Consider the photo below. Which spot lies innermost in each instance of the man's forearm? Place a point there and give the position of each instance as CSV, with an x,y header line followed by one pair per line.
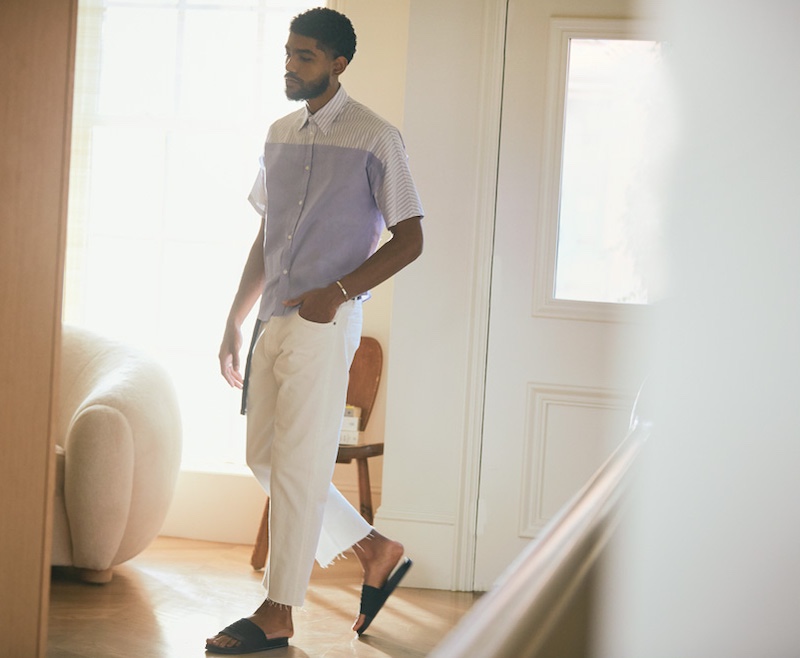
x,y
320,305
403,248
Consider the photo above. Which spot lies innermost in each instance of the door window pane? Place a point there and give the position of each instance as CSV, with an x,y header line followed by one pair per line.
x,y
609,103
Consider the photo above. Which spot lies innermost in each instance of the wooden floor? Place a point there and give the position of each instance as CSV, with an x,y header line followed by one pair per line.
x,y
166,601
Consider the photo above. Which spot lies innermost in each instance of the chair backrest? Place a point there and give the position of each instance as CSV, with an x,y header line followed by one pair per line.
x,y
365,376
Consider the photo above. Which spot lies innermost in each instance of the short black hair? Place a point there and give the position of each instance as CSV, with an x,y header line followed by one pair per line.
x,y
333,31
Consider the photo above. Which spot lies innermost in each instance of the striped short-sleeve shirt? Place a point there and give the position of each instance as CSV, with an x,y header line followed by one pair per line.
x,y
329,183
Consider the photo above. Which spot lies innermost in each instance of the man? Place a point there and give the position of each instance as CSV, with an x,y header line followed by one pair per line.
x,y
333,175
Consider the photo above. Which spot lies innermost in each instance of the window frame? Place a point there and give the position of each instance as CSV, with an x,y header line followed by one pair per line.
x,y
545,303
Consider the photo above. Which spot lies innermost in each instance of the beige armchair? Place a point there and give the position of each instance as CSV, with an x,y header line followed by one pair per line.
x,y
118,453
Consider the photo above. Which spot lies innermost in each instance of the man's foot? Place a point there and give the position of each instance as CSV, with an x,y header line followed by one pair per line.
x,y
378,556
272,618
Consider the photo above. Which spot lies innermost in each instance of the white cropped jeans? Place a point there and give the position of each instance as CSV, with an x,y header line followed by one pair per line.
x,y
297,390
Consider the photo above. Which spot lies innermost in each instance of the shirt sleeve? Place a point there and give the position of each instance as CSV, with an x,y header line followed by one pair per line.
x,y
395,192
258,193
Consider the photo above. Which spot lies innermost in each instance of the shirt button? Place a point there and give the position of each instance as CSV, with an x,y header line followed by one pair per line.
x,y
300,203
286,271
289,237
308,168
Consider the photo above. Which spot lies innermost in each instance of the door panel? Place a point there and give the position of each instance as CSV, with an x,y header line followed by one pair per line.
x,y
557,394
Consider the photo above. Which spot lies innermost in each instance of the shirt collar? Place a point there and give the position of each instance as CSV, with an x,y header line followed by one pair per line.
x,y
327,114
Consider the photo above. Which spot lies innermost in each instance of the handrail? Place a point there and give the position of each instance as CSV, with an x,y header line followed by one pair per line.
x,y
517,616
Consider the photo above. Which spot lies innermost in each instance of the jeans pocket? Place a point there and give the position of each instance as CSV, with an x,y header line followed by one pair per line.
x,y
315,325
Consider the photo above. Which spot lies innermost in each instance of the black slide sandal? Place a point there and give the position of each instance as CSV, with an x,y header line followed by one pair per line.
x,y
251,639
373,598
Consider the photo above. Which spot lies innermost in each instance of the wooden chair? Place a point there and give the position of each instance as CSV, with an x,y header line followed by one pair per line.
x,y
365,376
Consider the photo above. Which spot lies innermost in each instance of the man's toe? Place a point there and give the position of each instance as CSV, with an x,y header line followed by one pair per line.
x,y
359,622
222,641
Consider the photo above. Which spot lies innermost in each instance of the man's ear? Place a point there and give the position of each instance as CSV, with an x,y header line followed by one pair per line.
x,y
339,65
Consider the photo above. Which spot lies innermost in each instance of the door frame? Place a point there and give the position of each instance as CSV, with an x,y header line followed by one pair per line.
x,y
491,78
32,245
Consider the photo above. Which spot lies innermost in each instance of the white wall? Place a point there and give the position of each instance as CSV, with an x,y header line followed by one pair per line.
x,y
440,302
708,564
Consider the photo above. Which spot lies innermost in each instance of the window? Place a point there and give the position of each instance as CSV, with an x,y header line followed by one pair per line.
x,y
173,99
605,147
604,140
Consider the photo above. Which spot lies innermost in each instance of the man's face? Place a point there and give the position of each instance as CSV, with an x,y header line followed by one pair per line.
x,y
308,69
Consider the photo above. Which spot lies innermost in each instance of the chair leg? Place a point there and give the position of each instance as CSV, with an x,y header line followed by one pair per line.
x,y
364,490
259,557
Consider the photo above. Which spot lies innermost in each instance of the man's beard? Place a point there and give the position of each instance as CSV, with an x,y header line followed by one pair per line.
x,y
307,90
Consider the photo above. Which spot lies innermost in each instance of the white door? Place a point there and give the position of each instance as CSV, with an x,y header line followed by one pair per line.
x,y
558,390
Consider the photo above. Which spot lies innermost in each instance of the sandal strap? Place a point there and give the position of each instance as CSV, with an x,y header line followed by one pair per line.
x,y
372,599
245,631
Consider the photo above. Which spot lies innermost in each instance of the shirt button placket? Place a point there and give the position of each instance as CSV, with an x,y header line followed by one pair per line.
x,y
301,202
312,132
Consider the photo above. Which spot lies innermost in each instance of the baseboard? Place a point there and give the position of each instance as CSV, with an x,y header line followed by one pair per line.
x,y
227,507
429,541
209,506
